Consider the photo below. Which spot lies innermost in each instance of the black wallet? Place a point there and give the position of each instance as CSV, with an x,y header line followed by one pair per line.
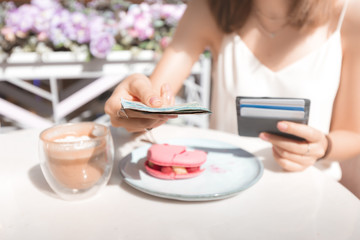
x,y
261,114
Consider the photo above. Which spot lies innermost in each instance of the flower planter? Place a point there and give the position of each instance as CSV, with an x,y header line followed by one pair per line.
x,y
23,57
63,57
69,57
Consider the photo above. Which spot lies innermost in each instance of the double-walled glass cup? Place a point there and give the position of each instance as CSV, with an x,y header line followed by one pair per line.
x,y
76,158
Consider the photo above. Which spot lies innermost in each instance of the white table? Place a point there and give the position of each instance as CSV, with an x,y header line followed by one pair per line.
x,y
282,205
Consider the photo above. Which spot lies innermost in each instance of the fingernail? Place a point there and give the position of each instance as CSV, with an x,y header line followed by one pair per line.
x,y
168,96
282,126
264,136
166,93
155,101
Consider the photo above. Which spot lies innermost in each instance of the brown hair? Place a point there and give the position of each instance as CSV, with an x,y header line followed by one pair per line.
x,y
231,15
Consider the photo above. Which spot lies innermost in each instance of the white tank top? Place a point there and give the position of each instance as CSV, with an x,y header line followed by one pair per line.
x,y
315,76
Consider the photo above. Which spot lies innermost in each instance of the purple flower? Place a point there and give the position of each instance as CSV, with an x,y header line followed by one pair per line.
x,y
126,20
75,24
22,19
42,21
77,29
155,10
58,25
172,13
96,25
143,26
138,22
102,44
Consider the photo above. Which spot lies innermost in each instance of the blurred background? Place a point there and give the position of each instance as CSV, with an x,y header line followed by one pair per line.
x,y
61,59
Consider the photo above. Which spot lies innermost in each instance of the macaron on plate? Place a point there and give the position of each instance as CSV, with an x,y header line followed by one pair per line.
x,y
173,162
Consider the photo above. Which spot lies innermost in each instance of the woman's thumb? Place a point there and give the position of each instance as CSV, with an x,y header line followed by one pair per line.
x,y
142,88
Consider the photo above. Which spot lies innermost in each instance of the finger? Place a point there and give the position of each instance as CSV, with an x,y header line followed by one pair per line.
x,y
158,123
136,124
113,104
287,164
300,130
291,145
167,95
141,87
303,160
141,128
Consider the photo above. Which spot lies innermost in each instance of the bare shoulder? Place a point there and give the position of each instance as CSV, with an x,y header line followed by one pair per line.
x,y
350,30
199,21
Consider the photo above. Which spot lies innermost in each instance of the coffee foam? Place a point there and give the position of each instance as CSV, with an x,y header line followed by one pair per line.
x,y
72,139
81,142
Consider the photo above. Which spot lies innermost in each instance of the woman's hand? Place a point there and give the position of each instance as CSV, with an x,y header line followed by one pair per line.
x,y
138,87
295,155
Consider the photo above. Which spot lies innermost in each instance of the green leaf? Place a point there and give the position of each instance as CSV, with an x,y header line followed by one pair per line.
x,y
158,23
143,44
117,47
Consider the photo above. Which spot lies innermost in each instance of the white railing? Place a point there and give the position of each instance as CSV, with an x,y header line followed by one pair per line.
x,y
100,75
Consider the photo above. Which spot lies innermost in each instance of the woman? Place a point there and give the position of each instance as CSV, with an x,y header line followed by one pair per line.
x,y
278,48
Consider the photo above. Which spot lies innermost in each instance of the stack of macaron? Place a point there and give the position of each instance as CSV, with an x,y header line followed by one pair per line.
x,y
168,161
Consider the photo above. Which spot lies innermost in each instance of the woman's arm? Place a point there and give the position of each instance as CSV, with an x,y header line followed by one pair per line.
x,y
345,126
196,31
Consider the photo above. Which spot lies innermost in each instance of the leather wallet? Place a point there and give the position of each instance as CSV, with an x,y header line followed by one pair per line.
x,y
261,114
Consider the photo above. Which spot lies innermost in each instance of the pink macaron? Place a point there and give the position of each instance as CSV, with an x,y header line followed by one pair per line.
x,y
167,161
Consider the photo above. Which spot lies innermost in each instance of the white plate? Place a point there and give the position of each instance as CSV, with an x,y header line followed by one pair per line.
x,y
228,170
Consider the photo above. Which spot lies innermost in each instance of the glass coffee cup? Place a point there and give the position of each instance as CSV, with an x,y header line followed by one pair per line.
x,y
76,158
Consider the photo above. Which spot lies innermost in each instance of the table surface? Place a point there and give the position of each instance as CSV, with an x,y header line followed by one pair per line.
x,y
281,205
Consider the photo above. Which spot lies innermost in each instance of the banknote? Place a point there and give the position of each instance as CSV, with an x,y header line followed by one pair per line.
x,y
184,108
